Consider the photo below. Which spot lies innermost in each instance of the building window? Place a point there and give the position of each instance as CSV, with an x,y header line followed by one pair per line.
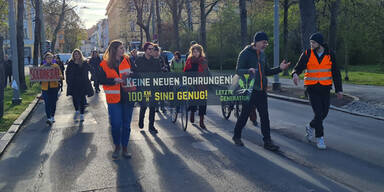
x,y
25,33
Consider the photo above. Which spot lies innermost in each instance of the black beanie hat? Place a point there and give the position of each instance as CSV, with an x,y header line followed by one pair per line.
x,y
259,36
318,37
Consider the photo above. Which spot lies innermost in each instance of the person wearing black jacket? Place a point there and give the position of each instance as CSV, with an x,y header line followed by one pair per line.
x,y
146,64
78,83
8,70
62,68
94,63
253,59
321,68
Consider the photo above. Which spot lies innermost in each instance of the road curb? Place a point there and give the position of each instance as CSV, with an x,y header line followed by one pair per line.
x,y
7,138
303,101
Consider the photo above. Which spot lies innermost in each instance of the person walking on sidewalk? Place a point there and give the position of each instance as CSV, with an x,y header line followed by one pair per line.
x,y
164,68
253,59
146,64
8,70
62,68
94,63
197,62
113,69
78,84
50,90
321,68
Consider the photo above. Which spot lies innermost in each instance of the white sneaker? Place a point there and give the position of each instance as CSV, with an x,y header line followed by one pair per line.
x,y
76,115
320,143
81,117
52,119
309,132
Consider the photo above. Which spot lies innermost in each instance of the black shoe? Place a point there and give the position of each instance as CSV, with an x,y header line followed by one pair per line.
x,y
153,130
255,123
141,124
269,145
237,141
97,90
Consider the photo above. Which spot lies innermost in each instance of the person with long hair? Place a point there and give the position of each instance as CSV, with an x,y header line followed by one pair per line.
x,y
78,82
113,69
50,89
197,62
94,63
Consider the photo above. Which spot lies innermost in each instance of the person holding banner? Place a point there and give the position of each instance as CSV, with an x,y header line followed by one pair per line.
x,y
253,59
78,84
147,64
197,62
50,89
113,69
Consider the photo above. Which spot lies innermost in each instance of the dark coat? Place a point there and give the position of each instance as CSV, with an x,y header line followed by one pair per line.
x,y
8,67
94,63
77,79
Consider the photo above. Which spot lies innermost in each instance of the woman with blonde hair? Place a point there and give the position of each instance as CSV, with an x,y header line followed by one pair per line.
x,y
113,69
50,89
78,83
197,62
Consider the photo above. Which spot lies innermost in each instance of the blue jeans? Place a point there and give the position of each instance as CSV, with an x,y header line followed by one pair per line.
x,y
120,116
50,99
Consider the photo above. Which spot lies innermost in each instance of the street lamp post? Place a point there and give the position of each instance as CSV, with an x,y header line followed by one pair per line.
x,y
276,84
15,67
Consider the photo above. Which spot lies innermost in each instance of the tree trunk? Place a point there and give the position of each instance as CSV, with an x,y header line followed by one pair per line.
x,y
189,15
243,22
158,19
203,23
285,32
308,21
36,43
333,24
20,43
58,26
2,78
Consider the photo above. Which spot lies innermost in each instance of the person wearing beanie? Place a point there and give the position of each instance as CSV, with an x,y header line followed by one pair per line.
x,y
253,60
321,68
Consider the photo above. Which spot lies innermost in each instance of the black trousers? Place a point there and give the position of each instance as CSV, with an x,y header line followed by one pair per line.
x,y
260,101
79,102
96,84
9,78
202,109
319,96
151,119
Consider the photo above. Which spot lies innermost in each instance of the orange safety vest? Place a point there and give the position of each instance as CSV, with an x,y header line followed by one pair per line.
x,y
112,92
318,72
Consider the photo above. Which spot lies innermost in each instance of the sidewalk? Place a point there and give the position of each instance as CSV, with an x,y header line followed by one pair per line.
x,y
371,98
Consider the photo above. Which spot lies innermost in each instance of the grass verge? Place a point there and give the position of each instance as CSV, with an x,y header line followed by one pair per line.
x,y
12,112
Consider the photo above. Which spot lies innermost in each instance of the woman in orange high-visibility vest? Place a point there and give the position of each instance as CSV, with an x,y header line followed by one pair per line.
x,y
114,67
321,68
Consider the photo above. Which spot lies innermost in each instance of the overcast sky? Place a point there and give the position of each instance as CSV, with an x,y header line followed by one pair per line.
x,y
91,11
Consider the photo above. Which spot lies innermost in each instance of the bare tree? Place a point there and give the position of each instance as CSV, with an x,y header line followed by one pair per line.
x,y
204,12
189,14
36,43
158,21
334,8
20,43
140,5
2,78
243,22
308,20
176,6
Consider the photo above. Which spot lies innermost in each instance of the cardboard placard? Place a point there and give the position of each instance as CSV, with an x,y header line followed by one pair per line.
x,y
44,74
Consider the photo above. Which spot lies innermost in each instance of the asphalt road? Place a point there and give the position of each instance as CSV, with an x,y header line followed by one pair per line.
x,y
74,157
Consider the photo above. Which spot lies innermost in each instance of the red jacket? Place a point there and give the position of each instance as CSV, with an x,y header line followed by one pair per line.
x,y
202,64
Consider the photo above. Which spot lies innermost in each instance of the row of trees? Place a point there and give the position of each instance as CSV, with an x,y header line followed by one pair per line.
x,y
58,15
352,28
